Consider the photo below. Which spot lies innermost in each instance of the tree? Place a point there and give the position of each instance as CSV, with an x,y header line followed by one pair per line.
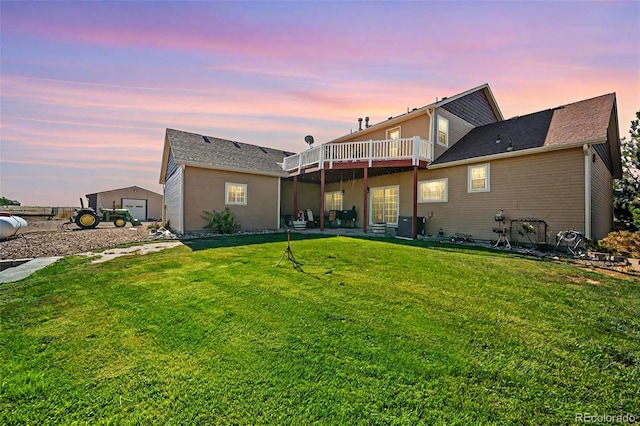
x,y
626,201
4,201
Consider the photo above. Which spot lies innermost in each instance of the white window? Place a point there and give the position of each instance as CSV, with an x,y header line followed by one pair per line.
x,y
393,135
332,201
235,193
433,191
479,178
443,131
385,202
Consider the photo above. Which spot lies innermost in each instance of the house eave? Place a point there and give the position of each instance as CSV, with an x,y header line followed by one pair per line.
x,y
232,169
519,153
393,121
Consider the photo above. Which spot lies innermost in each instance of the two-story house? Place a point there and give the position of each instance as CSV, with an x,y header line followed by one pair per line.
x,y
456,162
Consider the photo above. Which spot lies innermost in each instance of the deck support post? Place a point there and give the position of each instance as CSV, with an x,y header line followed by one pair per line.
x,y
365,202
322,199
415,202
295,198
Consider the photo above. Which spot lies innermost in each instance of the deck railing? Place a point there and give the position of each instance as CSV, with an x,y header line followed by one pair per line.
x,y
415,149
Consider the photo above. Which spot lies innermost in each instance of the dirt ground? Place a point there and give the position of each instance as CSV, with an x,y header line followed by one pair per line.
x,y
44,237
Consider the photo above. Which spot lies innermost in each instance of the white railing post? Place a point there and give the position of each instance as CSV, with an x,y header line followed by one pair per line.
x,y
416,150
299,162
370,152
331,156
321,159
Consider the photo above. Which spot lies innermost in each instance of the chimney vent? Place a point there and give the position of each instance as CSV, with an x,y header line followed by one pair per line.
x,y
359,123
366,122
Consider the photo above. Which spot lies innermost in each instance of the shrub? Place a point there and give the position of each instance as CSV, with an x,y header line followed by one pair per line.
x,y
622,243
221,222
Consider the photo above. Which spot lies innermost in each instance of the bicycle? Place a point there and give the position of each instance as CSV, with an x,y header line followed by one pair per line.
x,y
574,241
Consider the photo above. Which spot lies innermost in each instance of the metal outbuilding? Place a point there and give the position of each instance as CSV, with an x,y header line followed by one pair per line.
x,y
142,203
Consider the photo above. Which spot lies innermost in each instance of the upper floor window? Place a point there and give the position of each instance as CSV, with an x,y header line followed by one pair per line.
x,y
443,131
433,191
479,178
333,200
235,193
393,134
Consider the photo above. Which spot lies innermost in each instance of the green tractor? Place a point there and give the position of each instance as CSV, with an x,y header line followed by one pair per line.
x,y
88,218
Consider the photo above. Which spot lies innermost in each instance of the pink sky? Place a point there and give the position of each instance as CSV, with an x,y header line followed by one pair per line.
x,y
88,88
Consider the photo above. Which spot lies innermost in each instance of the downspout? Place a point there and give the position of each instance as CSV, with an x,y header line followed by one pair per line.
x,y
181,224
430,114
587,190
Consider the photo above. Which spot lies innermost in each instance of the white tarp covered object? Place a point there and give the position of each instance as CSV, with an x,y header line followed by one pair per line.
x,y
10,224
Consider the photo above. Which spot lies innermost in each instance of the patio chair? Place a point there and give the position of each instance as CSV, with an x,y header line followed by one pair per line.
x,y
332,219
310,220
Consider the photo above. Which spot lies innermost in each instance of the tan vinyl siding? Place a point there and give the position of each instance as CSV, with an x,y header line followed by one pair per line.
x,y
173,201
549,186
204,190
418,126
353,193
457,129
308,197
601,199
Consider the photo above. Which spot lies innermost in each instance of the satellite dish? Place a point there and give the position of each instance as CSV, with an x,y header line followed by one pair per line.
x,y
309,140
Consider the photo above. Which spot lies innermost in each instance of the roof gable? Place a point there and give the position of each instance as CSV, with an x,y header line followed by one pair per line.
x,y
134,188
474,108
477,93
211,152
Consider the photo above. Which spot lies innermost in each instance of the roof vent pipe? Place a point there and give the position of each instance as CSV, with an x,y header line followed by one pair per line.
x,y
359,123
366,122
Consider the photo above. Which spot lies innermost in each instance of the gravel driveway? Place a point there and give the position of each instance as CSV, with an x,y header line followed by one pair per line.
x,y
45,238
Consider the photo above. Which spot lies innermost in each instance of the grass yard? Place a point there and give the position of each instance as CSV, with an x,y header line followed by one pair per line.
x,y
373,332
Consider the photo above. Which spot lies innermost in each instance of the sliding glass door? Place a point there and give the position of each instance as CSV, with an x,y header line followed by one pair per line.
x,y
385,203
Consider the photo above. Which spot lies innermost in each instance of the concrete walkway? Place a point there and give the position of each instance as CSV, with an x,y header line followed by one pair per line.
x,y
23,271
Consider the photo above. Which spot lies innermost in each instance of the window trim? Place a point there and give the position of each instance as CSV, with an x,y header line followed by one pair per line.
x,y
226,194
394,146
446,120
326,209
397,187
487,188
446,191
398,128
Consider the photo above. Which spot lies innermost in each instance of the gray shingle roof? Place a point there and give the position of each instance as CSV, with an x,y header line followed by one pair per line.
x,y
212,152
573,123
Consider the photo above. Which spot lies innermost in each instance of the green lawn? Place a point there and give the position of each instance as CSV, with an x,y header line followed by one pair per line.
x,y
373,332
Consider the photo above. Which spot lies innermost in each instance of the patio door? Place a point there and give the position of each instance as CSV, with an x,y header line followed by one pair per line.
x,y
385,202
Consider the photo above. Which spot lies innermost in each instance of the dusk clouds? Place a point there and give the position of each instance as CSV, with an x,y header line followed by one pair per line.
x,y
88,88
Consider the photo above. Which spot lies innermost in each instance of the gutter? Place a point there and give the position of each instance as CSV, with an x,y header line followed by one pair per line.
x,y
233,169
518,153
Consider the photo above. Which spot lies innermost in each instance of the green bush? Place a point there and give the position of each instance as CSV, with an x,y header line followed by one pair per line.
x,y
221,222
635,212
